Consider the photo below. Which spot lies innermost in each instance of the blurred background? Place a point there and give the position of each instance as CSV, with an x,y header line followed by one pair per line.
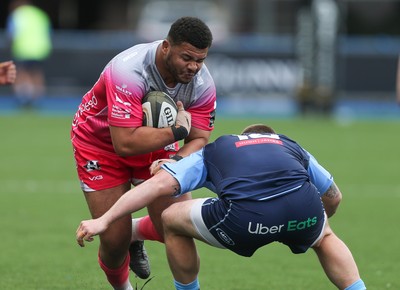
x,y
269,57
273,62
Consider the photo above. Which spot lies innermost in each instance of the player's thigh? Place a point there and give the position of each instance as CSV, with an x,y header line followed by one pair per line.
x,y
326,231
119,233
101,200
177,219
161,203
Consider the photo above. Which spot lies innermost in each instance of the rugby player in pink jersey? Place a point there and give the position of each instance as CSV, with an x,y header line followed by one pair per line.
x,y
113,150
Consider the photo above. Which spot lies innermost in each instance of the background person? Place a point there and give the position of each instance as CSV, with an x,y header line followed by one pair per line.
x,y
268,190
113,150
398,82
29,30
8,72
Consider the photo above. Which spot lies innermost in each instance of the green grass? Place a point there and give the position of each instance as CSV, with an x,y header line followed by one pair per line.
x,y
41,206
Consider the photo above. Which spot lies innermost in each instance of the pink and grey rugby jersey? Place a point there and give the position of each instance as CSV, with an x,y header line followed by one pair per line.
x,y
116,97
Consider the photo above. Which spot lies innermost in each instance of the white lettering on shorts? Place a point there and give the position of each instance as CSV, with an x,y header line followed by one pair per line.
x,y
97,177
260,229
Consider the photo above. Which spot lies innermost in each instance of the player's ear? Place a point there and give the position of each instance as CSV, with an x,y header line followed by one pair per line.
x,y
165,46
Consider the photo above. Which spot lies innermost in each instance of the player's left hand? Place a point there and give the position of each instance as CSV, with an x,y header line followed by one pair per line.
x,y
88,229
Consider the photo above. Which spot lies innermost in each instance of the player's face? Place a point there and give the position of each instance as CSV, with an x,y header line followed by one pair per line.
x,y
184,61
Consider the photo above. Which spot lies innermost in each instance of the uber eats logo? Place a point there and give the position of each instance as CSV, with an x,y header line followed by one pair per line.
x,y
293,225
301,225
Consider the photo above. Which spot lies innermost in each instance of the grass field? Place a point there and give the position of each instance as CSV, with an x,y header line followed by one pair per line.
x,y
41,206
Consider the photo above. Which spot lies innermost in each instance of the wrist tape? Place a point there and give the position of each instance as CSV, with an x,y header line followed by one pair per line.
x,y
176,157
179,133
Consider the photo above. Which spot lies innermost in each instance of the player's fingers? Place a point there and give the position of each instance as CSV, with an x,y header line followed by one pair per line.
x,y
156,165
180,106
153,166
79,237
5,63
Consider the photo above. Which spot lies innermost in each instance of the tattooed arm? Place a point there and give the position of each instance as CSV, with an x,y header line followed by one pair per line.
x,y
331,199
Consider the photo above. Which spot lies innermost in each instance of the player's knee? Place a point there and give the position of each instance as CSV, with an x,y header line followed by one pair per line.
x,y
117,239
113,247
166,216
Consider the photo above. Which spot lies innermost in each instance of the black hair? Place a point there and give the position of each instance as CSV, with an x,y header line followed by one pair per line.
x,y
191,30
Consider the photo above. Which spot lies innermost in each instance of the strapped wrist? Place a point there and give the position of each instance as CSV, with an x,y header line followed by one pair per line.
x,y
179,133
176,157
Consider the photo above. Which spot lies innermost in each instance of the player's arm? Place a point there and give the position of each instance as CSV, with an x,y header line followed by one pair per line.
x,y
323,181
203,117
331,199
141,140
196,140
135,199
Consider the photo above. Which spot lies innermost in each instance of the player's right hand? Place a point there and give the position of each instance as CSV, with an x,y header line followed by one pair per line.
x,y
88,229
183,117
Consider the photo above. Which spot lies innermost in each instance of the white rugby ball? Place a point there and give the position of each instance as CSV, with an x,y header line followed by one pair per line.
x,y
159,110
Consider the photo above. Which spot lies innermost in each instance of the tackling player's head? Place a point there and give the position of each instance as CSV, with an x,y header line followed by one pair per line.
x,y
191,30
258,128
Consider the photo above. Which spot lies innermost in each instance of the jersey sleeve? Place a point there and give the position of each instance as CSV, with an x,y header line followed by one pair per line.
x,y
124,97
190,172
203,110
319,176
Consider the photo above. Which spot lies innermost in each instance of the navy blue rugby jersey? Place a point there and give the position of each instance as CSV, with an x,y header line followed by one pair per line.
x,y
255,166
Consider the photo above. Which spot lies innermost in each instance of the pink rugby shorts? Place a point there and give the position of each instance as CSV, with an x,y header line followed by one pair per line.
x,y
102,170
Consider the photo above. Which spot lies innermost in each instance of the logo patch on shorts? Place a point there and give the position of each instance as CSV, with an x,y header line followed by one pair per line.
x,y
92,165
224,237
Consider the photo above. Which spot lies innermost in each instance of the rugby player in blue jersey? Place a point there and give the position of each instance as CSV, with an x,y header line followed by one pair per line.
x,y
269,190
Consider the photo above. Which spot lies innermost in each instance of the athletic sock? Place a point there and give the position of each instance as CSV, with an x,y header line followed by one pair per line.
x,y
145,228
191,286
136,236
118,278
358,285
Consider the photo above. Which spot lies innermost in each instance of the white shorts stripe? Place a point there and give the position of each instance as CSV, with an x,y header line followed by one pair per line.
x,y
197,221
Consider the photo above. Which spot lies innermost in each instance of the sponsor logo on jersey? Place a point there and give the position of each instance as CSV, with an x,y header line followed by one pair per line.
x,y
118,99
258,141
83,108
171,147
119,113
212,119
123,90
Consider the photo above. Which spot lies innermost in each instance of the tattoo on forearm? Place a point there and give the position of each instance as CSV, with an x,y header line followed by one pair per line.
x,y
332,192
176,188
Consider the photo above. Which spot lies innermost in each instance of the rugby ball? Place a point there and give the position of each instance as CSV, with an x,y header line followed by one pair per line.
x,y
159,110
